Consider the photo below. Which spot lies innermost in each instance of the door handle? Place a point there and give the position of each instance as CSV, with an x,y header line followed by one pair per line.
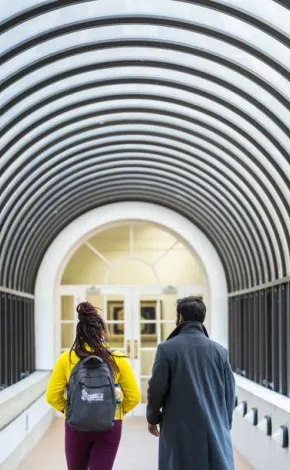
x,y
129,349
136,350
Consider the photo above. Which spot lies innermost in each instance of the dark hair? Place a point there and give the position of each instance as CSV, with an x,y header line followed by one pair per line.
x,y
191,309
88,340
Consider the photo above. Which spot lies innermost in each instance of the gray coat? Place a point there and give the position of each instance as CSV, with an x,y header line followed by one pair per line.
x,y
193,384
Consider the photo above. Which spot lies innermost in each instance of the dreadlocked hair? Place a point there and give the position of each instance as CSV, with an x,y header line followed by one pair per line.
x,y
88,340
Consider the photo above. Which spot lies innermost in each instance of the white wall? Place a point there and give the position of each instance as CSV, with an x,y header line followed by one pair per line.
x,y
15,399
25,416
261,451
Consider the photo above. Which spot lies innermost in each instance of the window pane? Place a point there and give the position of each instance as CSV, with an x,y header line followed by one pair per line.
x,y
116,336
147,360
116,313
168,307
148,310
97,301
116,322
148,335
166,330
67,307
67,335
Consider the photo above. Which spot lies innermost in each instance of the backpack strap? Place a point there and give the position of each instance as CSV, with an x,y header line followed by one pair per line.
x,y
115,350
89,358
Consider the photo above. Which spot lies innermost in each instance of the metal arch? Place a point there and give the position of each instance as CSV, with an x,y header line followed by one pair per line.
x,y
155,113
284,3
37,139
95,179
276,143
168,66
23,235
205,111
78,119
59,194
196,218
164,47
138,198
157,192
50,157
174,184
23,201
152,111
244,15
160,64
233,271
187,214
18,240
30,143
88,139
80,153
33,12
171,100
188,196
45,7
136,42
144,20
225,150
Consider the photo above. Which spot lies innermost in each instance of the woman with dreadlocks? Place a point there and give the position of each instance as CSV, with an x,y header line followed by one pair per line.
x,y
93,450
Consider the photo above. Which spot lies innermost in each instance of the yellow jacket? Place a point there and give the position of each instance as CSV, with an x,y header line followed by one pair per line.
x,y
56,391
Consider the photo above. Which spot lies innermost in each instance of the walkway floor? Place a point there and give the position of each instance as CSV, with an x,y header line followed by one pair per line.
x,y
138,449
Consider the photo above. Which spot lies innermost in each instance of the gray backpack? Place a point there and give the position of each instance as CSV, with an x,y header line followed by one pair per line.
x,y
91,399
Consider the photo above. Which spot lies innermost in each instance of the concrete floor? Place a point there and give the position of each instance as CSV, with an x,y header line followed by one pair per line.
x,y
138,449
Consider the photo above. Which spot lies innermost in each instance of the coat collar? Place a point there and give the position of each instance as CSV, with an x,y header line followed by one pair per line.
x,y
189,327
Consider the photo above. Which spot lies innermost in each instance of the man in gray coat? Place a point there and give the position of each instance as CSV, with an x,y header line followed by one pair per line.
x,y
191,396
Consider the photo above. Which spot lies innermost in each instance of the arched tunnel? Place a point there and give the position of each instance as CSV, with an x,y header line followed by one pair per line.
x,y
180,104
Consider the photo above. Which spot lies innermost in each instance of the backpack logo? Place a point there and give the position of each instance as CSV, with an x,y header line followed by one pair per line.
x,y
91,397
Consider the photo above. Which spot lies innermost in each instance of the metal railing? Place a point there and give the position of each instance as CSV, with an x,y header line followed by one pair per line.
x,y
259,336
17,338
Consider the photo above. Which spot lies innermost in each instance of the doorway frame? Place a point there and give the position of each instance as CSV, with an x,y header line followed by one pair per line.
x,y
95,221
132,296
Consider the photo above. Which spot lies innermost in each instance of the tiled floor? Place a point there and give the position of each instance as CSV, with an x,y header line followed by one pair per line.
x,y
138,450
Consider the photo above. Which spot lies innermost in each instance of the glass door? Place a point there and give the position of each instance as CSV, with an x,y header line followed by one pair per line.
x,y
153,322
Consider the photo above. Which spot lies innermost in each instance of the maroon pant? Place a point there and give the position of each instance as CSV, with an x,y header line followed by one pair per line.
x,y
91,450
